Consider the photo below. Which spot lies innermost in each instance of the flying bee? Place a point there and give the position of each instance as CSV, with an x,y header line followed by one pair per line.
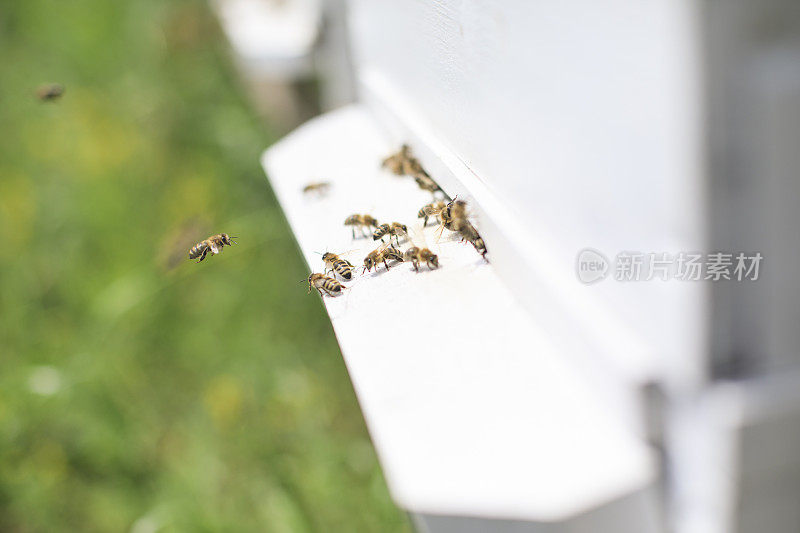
x,y
322,282
49,91
336,264
360,221
320,188
395,229
431,210
213,244
421,255
382,255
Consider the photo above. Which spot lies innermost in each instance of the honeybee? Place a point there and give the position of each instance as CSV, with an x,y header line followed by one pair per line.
x,y
431,210
421,255
382,254
341,266
318,187
322,282
395,229
426,183
213,244
402,163
361,221
395,161
470,234
454,218
49,91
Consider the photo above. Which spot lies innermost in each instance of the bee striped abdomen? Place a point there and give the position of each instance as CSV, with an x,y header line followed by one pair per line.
x,y
382,230
343,268
331,286
197,250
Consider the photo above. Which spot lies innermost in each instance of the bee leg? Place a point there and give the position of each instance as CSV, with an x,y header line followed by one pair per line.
x,y
386,264
354,232
203,256
416,265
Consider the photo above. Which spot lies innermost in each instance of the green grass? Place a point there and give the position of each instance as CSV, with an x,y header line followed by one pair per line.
x,y
140,391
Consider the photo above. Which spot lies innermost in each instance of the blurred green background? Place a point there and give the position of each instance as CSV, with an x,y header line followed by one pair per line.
x,y
140,391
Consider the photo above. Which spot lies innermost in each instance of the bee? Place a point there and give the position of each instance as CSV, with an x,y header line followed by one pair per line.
x,y
431,210
382,254
213,244
454,218
395,229
318,187
421,255
401,163
49,91
322,282
362,221
425,182
470,234
341,266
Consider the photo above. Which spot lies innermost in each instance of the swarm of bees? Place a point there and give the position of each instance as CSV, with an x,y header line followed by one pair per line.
x,y
451,215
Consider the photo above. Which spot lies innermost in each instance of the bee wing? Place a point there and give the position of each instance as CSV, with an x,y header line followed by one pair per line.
x,y
416,237
383,247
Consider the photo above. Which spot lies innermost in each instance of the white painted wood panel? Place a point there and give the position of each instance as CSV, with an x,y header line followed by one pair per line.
x,y
581,120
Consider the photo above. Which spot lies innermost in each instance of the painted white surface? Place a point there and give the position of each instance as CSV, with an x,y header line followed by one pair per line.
x,y
272,37
580,121
472,409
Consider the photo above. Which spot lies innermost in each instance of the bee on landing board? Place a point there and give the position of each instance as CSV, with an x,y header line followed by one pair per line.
x,y
470,234
213,244
320,188
454,217
401,163
322,282
419,255
49,91
431,210
425,182
382,255
395,229
360,221
334,263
